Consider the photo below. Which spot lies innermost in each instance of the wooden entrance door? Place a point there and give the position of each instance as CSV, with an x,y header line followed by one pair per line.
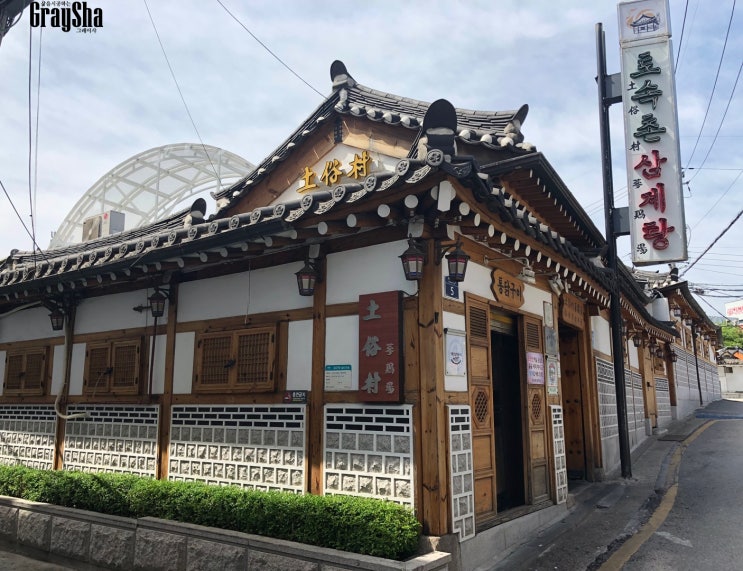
x,y
572,403
481,401
536,413
648,389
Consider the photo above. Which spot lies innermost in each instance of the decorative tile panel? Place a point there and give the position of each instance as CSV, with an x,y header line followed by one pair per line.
x,y
607,399
638,397
561,470
461,477
111,438
260,447
27,435
369,451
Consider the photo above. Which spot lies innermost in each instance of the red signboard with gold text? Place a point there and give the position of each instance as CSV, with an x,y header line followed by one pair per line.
x,y
380,344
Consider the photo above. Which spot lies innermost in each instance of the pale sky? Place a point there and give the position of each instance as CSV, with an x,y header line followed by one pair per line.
x,y
107,96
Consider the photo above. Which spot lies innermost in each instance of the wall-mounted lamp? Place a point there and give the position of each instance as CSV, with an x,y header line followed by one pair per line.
x,y
307,277
556,285
653,344
414,258
527,275
673,356
660,353
456,259
688,321
637,340
676,310
157,303
57,319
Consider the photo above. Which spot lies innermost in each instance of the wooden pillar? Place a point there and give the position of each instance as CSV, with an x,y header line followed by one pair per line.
x,y
163,433
433,441
316,399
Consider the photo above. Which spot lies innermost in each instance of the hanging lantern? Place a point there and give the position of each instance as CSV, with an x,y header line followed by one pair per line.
x,y
57,319
413,260
157,303
306,279
457,260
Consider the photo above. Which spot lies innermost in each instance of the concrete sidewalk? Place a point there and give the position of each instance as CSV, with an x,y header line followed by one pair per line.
x,y
605,514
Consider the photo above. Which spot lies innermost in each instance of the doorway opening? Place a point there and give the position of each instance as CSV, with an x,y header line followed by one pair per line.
x,y
573,403
507,413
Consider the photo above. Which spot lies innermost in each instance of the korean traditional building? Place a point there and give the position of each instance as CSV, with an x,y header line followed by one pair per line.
x,y
402,301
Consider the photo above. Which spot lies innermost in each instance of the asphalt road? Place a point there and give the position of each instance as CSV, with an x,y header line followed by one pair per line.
x,y
703,529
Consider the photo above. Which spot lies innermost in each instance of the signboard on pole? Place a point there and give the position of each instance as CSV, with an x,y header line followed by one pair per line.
x,y
656,205
734,309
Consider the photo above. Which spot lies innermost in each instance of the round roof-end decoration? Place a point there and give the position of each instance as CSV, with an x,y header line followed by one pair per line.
x,y
440,127
339,75
435,157
198,209
370,182
306,201
234,222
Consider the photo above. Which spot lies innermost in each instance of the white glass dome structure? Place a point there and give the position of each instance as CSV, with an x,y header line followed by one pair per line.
x,y
153,184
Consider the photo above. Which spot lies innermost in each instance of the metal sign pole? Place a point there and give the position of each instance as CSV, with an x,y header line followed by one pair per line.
x,y
605,100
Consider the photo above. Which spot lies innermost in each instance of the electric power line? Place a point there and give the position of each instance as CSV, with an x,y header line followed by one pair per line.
x,y
681,39
183,99
713,243
21,219
265,47
714,85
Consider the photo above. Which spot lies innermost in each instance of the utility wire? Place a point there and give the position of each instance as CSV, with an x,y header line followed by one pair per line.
x,y
183,99
265,47
36,136
681,39
732,184
714,86
713,243
708,303
30,137
22,222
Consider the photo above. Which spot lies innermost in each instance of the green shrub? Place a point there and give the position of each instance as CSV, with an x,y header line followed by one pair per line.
x,y
359,525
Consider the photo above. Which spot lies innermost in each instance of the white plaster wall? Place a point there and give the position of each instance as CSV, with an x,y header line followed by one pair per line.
x,y
299,366
534,299
601,334
114,312
57,368
453,382
366,270
183,366
342,344
77,369
246,293
158,370
26,325
634,359
733,381
477,281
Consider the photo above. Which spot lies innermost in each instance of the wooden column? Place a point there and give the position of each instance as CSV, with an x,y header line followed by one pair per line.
x,y
316,398
433,441
163,434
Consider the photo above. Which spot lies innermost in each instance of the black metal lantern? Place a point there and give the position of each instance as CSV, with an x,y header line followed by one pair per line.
x,y
457,260
676,311
307,277
673,356
157,303
413,260
660,353
57,319
637,340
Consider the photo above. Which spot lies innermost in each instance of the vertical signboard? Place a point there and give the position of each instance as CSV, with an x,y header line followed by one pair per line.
x,y
656,207
380,347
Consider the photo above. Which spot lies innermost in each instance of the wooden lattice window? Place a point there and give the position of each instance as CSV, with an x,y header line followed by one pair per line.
x,y
242,360
26,372
113,367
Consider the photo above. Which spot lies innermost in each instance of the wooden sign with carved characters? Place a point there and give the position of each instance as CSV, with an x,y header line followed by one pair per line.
x,y
507,289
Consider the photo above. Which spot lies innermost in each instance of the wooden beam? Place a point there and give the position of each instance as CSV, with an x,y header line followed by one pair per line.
x,y
163,434
316,399
432,441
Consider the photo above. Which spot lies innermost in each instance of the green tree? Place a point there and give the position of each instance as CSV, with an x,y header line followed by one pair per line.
x,y
732,335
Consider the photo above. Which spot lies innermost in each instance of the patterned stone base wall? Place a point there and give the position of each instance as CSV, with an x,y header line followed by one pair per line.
x,y
121,439
258,447
369,451
663,402
461,473
558,437
607,399
27,435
